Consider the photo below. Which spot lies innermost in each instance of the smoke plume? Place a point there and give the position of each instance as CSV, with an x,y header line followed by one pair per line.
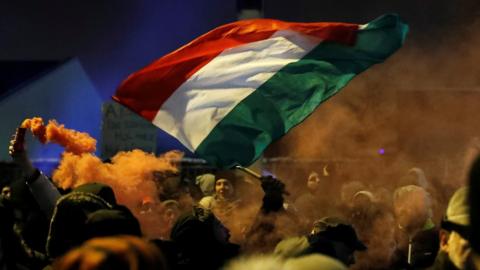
x,y
73,141
131,176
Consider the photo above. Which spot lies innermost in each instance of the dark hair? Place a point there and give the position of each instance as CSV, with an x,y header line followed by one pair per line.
x,y
226,174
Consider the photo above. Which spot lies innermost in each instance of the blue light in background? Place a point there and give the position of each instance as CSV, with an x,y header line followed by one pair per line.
x,y
65,94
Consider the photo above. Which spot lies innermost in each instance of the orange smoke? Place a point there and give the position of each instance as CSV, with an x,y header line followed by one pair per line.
x,y
130,174
73,141
36,127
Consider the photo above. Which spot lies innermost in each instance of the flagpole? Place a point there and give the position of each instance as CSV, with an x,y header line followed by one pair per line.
x,y
248,171
255,174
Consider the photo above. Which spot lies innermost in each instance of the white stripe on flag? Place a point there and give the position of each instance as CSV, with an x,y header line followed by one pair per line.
x,y
196,107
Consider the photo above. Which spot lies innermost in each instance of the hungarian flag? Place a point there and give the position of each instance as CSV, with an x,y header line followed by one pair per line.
x,y
231,92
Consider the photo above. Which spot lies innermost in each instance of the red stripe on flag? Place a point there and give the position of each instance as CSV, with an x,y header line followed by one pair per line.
x,y
146,90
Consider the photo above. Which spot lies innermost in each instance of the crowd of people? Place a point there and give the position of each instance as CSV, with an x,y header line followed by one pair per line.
x,y
232,223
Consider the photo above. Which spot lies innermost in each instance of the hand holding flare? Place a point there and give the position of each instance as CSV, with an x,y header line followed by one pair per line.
x,y
16,149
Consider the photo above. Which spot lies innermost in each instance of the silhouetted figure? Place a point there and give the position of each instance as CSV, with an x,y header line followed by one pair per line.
x,y
88,211
202,241
417,235
312,204
330,236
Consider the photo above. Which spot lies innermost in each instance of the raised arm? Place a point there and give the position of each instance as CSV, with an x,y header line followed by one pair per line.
x,y
43,190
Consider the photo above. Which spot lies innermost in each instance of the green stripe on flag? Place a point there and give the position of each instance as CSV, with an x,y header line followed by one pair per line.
x,y
295,91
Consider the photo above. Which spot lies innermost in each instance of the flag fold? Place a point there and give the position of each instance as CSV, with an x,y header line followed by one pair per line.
x,y
231,92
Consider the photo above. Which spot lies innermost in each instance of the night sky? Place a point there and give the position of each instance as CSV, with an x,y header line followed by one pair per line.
x,y
115,38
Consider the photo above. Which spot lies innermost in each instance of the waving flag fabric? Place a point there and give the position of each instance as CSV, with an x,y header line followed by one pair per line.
x,y
231,92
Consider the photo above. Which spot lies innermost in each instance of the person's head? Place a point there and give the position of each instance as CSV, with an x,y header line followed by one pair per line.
x,y
415,176
88,211
334,237
412,207
455,229
225,184
6,192
102,190
203,239
109,253
223,188
169,184
313,181
171,211
363,206
199,227
363,199
348,190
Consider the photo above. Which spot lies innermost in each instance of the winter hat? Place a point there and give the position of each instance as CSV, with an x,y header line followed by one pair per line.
x,y
82,214
458,209
206,182
457,215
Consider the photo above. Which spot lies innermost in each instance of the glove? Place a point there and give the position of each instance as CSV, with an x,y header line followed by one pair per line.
x,y
17,151
273,198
